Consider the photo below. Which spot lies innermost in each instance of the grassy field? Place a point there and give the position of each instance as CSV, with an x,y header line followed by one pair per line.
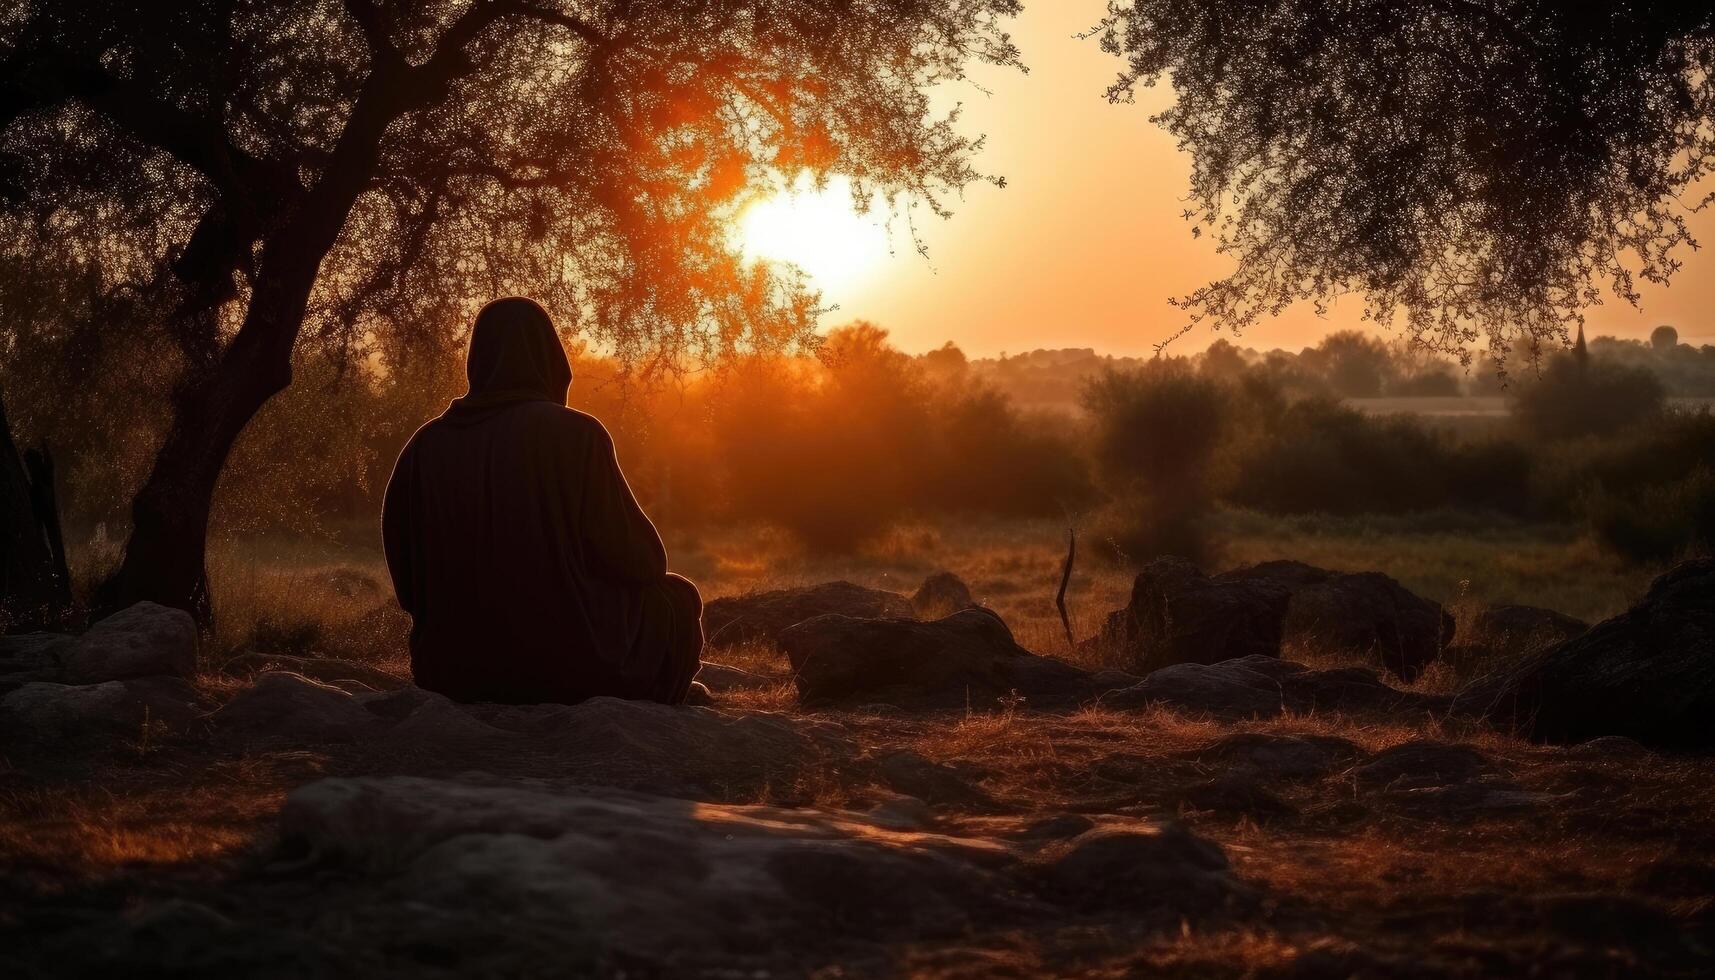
x,y
293,594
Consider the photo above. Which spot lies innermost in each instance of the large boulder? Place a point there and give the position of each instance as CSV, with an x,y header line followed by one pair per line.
x,y
143,640
760,617
598,875
1178,615
26,657
1647,674
43,711
966,659
490,878
689,752
1509,632
1366,615
941,594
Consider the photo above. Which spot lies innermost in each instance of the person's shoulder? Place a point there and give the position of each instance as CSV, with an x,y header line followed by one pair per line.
x,y
568,421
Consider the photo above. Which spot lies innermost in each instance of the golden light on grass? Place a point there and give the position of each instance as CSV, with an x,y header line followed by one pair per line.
x,y
816,229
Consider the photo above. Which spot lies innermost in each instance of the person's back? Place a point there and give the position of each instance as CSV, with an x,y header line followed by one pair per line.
x,y
529,570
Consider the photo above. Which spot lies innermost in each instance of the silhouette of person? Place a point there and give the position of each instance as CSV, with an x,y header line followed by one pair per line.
x,y
529,570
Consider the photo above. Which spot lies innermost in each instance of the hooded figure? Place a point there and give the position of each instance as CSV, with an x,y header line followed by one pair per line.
x,y
530,572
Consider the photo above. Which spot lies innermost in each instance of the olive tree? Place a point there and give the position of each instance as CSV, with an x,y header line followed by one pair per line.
x,y
250,176
1484,168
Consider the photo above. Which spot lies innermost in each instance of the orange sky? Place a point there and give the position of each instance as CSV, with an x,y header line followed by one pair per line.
x,y
1085,245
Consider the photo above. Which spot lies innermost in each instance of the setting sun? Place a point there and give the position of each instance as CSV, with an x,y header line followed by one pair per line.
x,y
817,230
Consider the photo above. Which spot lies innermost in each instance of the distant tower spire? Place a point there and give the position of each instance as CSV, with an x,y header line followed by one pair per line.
x,y
1580,353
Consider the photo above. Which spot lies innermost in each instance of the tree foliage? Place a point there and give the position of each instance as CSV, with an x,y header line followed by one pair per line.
x,y
1487,168
247,175
589,152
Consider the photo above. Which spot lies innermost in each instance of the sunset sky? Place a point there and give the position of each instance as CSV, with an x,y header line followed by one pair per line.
x,y
1086,244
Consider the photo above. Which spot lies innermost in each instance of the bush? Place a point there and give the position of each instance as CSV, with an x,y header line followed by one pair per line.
x,y
1157,430
1660,523
1576,396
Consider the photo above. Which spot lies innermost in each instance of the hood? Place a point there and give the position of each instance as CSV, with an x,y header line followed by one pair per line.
x,y
515,356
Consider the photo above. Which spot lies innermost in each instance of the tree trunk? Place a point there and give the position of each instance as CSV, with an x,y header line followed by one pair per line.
x,y
35,590
165,557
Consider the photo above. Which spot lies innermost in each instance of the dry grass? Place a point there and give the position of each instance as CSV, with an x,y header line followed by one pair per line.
x,y
1346,867
160,813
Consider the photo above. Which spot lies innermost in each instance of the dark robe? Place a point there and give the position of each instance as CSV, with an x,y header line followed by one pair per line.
x,y
529,570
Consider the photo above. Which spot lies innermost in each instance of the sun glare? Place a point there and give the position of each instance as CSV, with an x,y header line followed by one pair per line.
x,y
816,230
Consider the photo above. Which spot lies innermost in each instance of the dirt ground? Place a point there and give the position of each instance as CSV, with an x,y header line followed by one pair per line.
x,y
1344,845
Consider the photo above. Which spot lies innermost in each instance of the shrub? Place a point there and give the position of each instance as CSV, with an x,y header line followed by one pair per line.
x,y
1156,433
1576,396
1658,523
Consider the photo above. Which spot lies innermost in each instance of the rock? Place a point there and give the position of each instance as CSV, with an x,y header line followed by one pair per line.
x,y
329,670
902,813
720,678
966,659
932,782
1178,615
1511,632
1414,765
293,708
1061,826
1231,689
1364,614
44,711
178,938
1354,690
694,753
597,875
699,695
1286,757
139,641
26,657
760,617
1166,869
1234,795
1262,687
941,594
1647,674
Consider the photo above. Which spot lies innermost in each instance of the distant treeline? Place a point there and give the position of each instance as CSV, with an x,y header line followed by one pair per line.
x,y
840,447
1346,364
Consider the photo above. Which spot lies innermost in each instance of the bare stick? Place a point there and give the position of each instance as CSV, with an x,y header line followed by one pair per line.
x,y
1065,578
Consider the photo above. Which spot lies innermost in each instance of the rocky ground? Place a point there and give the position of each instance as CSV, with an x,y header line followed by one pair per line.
x,y
893,788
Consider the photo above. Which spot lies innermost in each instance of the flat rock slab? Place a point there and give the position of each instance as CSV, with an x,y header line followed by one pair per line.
x,y
1263,687
968,659
597,877
679,751
760,617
